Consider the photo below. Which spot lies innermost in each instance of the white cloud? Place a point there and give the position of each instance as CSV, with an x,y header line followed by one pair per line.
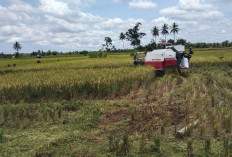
x,y
192,10
139,4
61,27
198,20
117,1
19,6
221,1
142,4
54,7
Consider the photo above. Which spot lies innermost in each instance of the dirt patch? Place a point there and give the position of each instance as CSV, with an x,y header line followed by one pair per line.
x,y
146,119
114,117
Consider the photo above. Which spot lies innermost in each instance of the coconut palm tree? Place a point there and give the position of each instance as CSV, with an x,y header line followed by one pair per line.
x,y
17,46
122,37
134,36
108,41
164,31
175,30
155,32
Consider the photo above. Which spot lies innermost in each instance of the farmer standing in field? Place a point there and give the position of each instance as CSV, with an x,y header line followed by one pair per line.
x,y
190,53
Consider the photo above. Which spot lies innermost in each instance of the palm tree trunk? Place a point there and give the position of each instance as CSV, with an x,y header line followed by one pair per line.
x,y
123,44
174,38
165,40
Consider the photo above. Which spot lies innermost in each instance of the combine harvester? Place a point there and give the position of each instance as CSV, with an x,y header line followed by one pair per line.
x,y
172,56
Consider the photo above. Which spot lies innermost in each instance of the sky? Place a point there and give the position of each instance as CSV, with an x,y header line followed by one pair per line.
x,y
75,25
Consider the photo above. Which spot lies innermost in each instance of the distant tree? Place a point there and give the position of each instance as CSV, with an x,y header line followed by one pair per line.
x,y
175,30
108,41
48,53
155,32
33,54
114,49
230,45
162,41
165,31
188,45
133,35
122,37
225,43
181,42
2,55
151,46
54,53
84,52
43,53
17,46
171,41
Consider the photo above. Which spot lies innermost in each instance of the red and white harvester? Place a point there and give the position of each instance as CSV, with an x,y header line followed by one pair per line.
x,y
162,58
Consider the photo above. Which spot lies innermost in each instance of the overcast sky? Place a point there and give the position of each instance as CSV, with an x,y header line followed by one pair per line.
x,y
68,25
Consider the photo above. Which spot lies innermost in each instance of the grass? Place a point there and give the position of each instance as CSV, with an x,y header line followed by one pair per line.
x,y
140,118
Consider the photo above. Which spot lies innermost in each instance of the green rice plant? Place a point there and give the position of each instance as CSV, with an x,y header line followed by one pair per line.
x,y
14,113
170,99
207,145
113,143
95,118
190,148
46,114
187,111
142,143
2,137
175,129
6,113
226,147
149,112
132,113
228,123
216,129
213,101
201,129
59,111
21,112
156,147
150,129
52,114
71,105
126,145
163,126
189,130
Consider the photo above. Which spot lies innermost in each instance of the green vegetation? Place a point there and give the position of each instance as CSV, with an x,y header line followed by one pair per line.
x,y
81,106
133,35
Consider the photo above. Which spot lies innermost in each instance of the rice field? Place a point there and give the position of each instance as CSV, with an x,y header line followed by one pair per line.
x,y
69,78
66,84
80,106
